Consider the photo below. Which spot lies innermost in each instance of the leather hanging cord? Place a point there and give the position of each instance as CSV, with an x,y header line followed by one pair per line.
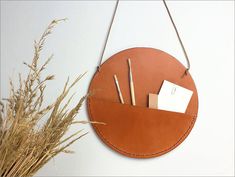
x,y
177,33
172,21
107,36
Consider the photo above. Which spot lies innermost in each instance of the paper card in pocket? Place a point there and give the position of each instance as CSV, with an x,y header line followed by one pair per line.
x,y
173,97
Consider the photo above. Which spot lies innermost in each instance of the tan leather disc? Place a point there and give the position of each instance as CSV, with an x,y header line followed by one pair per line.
x,y
137,131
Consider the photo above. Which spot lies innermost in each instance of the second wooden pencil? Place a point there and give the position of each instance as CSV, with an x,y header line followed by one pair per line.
x,y
131,84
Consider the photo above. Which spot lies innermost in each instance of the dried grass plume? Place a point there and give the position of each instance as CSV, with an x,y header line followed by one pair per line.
x,y
24,147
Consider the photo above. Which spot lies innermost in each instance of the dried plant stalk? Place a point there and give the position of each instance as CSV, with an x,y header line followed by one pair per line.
x,y
24,147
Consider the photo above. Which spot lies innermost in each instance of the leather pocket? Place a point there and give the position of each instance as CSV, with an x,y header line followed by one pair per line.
x,y
139,131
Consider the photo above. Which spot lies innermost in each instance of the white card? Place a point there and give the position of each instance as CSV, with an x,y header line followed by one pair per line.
x,y
173,97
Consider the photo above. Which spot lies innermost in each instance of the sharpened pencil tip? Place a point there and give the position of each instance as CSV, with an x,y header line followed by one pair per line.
x,y
129,61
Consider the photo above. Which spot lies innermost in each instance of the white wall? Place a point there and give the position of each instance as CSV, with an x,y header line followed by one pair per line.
x,y
207,31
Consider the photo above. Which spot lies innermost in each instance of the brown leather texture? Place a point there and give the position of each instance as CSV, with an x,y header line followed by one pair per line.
x,y
138,131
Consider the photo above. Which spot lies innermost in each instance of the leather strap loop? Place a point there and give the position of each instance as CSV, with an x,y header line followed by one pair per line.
x,y
177,33
107,36
173,23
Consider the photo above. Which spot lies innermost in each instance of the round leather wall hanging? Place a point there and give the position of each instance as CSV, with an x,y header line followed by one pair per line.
x,y
138,131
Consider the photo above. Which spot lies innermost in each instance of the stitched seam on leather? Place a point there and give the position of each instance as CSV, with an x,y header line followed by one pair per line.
x,y
142,155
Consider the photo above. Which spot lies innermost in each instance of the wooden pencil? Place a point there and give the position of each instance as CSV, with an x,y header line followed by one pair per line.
x,y
131,84
118,89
